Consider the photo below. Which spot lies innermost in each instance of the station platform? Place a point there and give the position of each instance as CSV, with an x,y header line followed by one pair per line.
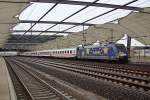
x,y
140,60
6,86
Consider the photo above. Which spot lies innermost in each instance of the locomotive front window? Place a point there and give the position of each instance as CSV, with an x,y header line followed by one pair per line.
x,y
121,48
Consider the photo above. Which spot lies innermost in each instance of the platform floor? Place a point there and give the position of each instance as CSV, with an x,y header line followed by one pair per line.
x,y
140,60
6,87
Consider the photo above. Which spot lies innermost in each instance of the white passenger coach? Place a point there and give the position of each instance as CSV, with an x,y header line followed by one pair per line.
x,y
59,53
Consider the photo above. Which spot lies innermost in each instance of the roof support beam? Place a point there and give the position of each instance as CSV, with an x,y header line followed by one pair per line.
x,y
55,22
41,31
49,22
91,3
58,1
71,15
102,14
87,3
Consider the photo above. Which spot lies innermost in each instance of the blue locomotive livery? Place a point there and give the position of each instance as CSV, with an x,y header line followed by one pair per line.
x,y
105,52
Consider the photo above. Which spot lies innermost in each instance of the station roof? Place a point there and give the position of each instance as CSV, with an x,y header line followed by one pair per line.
x,y
136,25
58,17
9,9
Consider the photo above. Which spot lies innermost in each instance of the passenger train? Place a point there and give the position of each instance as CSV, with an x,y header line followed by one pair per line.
x,y
111,52
8,53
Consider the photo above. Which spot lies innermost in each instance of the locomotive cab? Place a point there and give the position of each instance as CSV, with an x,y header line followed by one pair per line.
x,y
122,52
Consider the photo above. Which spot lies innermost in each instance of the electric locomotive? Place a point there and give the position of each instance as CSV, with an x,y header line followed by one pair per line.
x,y
111,51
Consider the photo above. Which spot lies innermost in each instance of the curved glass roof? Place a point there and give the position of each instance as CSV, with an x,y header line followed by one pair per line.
x,y
74,15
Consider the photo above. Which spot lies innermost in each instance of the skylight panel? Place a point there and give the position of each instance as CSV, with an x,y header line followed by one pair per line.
x,y
28,33
141,3
62,34
88,13
35,11
77,29
26,26
111,16
22,26
117,2
42,26
48,33
60,27
61,11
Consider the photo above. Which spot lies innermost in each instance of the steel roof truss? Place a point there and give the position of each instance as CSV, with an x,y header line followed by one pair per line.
x,y
87,3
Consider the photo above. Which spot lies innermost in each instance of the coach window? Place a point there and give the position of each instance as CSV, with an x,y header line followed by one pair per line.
x,y
68,51
71,51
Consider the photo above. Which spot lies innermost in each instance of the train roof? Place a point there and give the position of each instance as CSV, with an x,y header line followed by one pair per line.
x,y
56,49
98,45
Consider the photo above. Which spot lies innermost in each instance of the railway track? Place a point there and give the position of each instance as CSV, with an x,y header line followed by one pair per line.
x,y
128,69
131,69
34,88
112,68
21,92
134,79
